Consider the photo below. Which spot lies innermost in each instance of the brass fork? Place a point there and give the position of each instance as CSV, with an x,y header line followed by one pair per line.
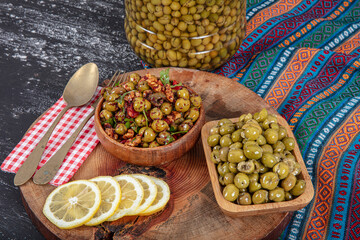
x,y
51,167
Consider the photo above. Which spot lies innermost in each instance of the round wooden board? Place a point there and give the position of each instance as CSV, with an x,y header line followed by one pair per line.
x,y
192,212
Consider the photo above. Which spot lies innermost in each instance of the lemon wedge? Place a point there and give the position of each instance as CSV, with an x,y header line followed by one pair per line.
x,y
72,204
162,197
110,199
150,192
132,194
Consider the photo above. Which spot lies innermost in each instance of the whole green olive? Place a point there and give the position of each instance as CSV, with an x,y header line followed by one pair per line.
x,y
271,136
223,153
259,167
267,148
147,105
105,114
289,182
254,177
193,114
140,120
236,135
142,86
269,160
111,106
241,180
235,155
288,196
227,129
269,180
156,114
277,195
186,125
289,143
119,116
183,93
279,147
214,130
149,135
231,192
112,97
119,90
229,178
261,141
244,199
282,133
224,121
253,152
164,138
120,129
153,144
166,108
299,188
260,196
225,141
182,105
254,186
282,170
196,101
134,77
252,133
129,86
139,104
236,145
159,125
232,167
213,140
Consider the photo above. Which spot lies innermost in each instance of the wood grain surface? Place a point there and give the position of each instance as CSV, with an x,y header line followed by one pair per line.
x,y
192,212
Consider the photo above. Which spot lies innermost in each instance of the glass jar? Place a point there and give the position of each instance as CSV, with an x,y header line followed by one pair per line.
x,y
201,34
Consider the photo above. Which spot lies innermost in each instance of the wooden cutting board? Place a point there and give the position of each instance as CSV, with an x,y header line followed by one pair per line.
x,y
192,212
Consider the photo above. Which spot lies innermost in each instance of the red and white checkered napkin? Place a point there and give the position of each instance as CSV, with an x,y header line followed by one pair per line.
x,y
82,147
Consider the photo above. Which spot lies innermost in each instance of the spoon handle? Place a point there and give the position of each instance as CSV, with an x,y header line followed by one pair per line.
x,y
51,167
28,168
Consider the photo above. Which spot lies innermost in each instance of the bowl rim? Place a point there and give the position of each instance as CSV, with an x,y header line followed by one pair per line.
x,y
159,148
236,210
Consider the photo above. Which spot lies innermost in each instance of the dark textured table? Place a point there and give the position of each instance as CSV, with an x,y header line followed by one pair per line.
x,y
42,43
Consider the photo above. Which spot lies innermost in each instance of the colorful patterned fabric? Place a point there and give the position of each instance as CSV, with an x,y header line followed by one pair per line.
x,y
302,57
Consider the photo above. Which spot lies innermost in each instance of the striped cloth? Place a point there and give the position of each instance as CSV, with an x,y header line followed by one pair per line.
x,y
302,57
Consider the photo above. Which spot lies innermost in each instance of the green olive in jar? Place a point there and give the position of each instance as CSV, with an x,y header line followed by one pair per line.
x,y
231,192
182,105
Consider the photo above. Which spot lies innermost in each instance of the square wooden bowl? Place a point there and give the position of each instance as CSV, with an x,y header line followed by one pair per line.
x,y
235,210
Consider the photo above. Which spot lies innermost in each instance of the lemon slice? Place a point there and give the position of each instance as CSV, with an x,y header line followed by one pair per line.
x,y
150,192
132,194
162,197
72,204
110,199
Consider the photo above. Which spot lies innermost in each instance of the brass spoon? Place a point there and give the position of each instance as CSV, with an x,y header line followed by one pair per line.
x,y
78,91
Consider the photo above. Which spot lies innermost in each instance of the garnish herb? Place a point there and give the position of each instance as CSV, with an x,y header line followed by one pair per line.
x,y
165,77
173,133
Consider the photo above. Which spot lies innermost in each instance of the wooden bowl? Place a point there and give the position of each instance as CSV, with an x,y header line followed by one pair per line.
x,y
235,210
150,156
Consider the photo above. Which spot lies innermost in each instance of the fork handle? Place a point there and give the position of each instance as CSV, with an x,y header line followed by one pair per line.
x,y
28,168
51,167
